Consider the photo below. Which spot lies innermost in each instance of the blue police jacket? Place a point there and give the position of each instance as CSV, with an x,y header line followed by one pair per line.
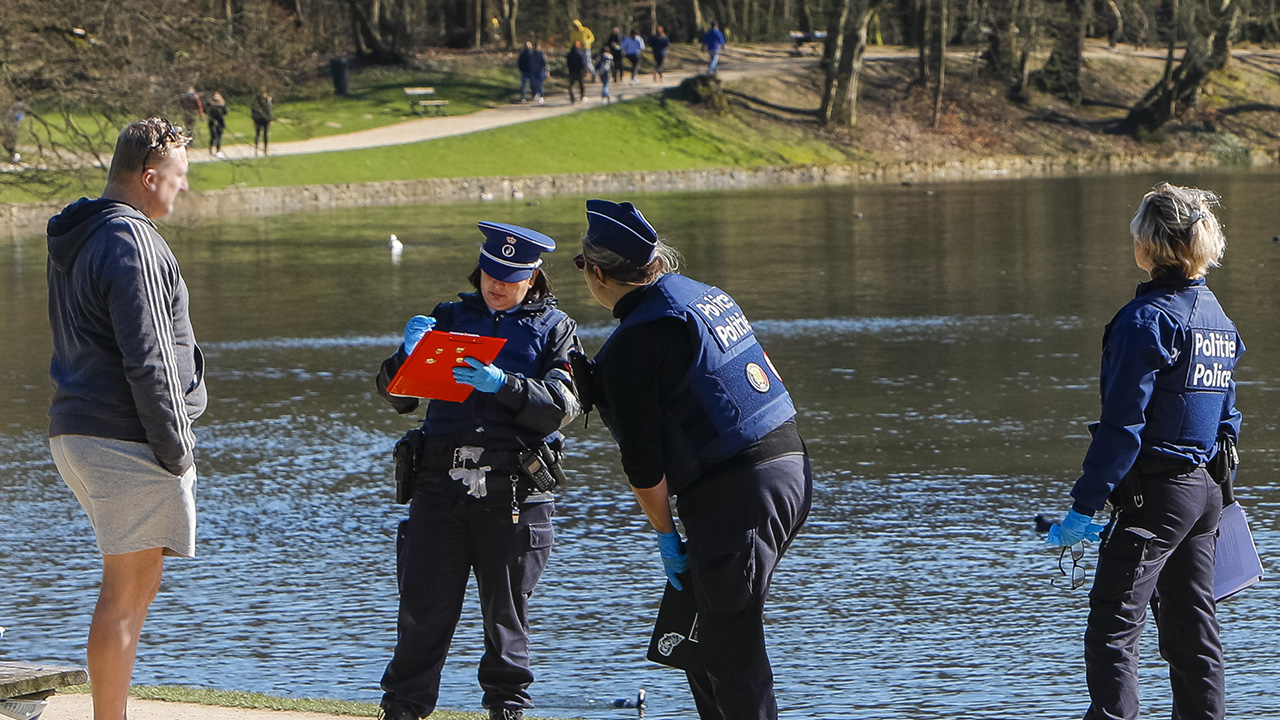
x,y
1167,384
537,398
730,397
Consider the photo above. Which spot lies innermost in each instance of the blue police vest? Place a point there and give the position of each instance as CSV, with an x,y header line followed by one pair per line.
x,y
527,331
1186,406
731,396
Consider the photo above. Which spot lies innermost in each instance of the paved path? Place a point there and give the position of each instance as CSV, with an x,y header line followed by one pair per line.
x,y
557,103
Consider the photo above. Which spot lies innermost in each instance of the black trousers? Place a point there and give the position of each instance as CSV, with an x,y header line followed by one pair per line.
x,y
1165,546
739,525
448,536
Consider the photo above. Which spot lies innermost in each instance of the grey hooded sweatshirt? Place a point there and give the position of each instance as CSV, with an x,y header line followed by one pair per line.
x,y
125,360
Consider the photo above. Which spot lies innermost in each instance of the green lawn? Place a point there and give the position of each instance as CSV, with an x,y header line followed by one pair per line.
x,y
645,134
376,98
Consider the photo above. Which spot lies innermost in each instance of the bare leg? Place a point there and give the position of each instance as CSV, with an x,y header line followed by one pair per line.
x,y
129,584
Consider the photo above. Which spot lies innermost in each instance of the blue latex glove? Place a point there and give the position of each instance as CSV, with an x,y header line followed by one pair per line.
x,y
673,557
1073,528
418,326
485,378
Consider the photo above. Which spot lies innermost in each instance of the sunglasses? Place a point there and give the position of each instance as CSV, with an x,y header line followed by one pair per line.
x,y
169,134
1076,577
580,262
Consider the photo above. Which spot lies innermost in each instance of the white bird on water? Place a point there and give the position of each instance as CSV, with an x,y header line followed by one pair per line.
x,y
397,248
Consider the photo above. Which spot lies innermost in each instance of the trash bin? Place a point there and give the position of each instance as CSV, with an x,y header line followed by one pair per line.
x,y
338,68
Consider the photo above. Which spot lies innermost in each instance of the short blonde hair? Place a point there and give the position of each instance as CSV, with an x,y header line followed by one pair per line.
x,y
143,141
1176,229
666,259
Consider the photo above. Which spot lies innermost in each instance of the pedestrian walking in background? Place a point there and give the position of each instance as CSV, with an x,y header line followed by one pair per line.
x,y
580,36
632,46
262,113
474,506
1168,411
614,44
11,130
128,382
192,109
577,67
217,123
604,70
659,43
698,412
533,69
712,44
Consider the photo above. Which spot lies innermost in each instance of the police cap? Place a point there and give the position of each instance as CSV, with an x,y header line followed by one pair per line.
x,y
621,228
511,253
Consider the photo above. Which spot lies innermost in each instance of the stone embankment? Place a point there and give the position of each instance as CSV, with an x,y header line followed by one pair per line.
x,y
29,218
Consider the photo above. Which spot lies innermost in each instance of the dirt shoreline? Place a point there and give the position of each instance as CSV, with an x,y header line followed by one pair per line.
x,y
25,219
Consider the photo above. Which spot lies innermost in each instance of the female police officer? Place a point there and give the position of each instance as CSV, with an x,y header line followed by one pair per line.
x,y
1168,407
699,412
472,507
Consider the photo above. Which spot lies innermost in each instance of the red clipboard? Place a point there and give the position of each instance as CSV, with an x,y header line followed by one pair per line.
x,y
428,373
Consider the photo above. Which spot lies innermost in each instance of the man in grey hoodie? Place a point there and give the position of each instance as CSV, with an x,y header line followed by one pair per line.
x,y
128,380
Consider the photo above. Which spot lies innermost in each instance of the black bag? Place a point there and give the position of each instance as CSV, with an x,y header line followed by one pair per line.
x,y
407,454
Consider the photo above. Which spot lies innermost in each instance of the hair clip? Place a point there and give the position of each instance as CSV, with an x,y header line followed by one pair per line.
x,y
1195,217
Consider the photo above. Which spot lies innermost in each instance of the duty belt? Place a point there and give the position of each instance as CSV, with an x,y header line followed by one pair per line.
x,y
447,458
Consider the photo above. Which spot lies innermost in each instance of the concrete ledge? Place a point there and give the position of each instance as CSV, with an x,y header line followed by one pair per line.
x,y
30,218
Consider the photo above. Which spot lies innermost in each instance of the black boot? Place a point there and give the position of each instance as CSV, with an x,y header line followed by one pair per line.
x,y
506,713
392,710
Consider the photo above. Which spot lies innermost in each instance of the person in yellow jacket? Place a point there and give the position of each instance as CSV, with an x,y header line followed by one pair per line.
x,y
581,33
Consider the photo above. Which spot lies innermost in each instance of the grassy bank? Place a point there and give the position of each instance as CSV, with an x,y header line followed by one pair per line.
x,y
646,134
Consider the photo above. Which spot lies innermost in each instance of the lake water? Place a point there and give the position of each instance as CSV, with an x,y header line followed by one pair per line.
x,y
942,345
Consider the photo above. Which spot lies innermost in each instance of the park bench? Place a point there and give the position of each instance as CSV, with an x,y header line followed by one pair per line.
x,y
420,100
800,38
23,686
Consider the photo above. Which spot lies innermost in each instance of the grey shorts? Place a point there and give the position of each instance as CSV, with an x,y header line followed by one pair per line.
x,y
133,503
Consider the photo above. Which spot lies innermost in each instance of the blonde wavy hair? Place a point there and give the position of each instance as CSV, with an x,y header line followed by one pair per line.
x,y
1175,229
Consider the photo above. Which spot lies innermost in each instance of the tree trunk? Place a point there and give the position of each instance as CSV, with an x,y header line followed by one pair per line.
x,y
831,54
844,105
1202,56
1061,72
942,61
1002,52
923,8
806,18
699,24
369,41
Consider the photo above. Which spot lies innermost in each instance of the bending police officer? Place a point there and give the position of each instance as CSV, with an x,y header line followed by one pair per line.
x,y
1168,409
472,508
699,413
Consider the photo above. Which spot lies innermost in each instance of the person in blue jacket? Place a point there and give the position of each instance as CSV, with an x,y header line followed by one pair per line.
x,y
1168,410
700,413
713,43
473,509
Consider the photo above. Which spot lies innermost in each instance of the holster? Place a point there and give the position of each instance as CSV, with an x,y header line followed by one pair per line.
x,y
407,454
584,381
541,466
1222,468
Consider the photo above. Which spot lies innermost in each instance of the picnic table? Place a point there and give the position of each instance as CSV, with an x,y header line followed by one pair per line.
x,y
421,98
